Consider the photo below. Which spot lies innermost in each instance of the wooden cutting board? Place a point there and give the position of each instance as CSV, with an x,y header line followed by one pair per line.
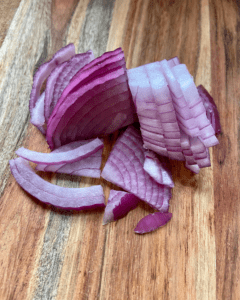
x,y
48,253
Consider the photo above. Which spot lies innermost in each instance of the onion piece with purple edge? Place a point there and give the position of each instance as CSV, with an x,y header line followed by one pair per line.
x,y
173,62
124,168
152,221
95,115
146,106
85,75
185,118
89,69
119,204
38,118
194,168
67,112
211,109
44,71
89,166
50,86
193,99
67,198
165,108
61,157
157,169
59,79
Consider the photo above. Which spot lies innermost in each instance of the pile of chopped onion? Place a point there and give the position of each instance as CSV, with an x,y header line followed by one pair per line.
x,y
87,98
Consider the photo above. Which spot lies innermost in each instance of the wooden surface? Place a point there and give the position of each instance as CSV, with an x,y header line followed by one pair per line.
x,y
48,253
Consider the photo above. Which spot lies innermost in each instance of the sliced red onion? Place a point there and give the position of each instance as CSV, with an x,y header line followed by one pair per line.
x,y
44,71
152,136
61,157
124,168
157,169
67,198
89,167
95,68
102,59
118,206
155,148
37,117
91,118
185,118
168,88
211,108
84,112
158,120
152,221
50,86
146,105
194,168
193,99
76,63
173,62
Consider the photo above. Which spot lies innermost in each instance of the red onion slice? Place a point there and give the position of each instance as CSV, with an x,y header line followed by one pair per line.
x,y
44,71
74,65
37,117
193,99
118,206
91,118
50,86
186,121
67,111
67,198
173,62
102,59
60,78
194,168
73,119
124,168
61,157
89,167
147,105
90,71
157,169
152,221
168,88
211,108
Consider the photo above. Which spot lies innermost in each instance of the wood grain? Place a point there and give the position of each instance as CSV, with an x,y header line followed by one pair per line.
x,y
225,88
49,253
7,11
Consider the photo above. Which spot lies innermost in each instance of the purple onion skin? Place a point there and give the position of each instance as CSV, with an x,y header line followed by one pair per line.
x,y
211,108
152,221
128,202
89,207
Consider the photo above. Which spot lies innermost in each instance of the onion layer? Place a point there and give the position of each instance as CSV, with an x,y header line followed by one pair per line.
x,y
98,92
124,168
67,198
119,204
37,116
70,156
60,78
89,166
157,169
211,108
152,221
44,71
